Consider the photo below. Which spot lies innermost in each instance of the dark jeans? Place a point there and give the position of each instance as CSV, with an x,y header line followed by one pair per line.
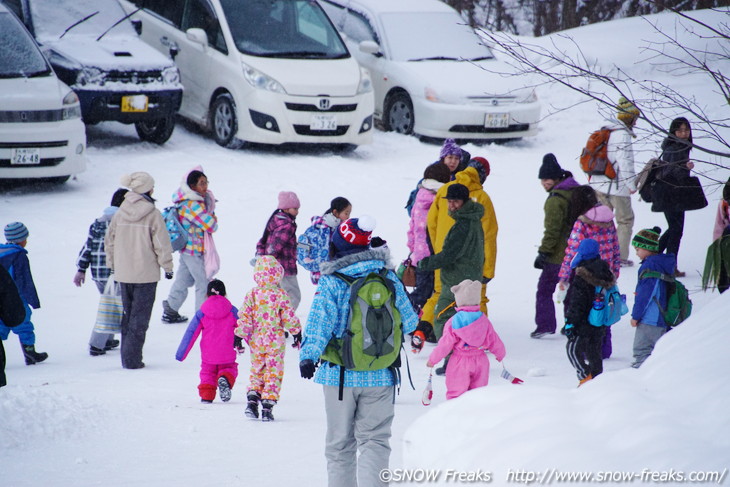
x,y
137,300
671,238
423,289
544,305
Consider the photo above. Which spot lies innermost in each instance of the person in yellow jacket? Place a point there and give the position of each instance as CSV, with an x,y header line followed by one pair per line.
x,y
439,224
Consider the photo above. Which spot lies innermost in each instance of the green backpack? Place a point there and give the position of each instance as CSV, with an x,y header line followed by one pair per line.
x,y
679,306
374,334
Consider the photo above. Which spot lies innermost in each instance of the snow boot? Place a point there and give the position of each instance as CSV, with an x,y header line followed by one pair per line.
x,y
266,406
252,409
31,356
224,389
171,316
95,352
111,344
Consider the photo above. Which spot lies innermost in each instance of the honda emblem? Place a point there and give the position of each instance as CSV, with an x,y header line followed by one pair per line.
x,y
324,103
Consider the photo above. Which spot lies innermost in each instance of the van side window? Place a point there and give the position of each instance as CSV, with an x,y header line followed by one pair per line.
x,y
356,27
170,11
200,14
310,23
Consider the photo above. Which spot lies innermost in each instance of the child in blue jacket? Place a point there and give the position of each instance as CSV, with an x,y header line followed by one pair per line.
x,y
645,315
14,258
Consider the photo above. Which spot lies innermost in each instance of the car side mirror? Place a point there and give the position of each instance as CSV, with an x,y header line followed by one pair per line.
x,y
197,35
370,47
137,24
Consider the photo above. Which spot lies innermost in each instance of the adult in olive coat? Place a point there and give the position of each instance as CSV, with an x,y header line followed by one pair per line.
x,y
462,254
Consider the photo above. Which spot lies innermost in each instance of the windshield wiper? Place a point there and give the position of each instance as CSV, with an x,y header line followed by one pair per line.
x,y
296,54
481,58
436,58
37,74
119,22
77,23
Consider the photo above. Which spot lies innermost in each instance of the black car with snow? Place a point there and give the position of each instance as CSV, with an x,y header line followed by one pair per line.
x,y
94,48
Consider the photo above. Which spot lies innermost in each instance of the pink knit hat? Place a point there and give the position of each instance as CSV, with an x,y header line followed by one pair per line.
x,y
288,199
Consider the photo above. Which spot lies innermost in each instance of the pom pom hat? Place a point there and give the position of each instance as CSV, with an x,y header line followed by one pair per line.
x,y
16,232
450,148
482,167
647,239
627,111
467,293
550,168
354,235
140,182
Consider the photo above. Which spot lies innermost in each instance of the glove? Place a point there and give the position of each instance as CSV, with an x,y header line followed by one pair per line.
x,y
569,330
168,275
238,345
540,260
376,242
79,278
485,280
297,340
306,369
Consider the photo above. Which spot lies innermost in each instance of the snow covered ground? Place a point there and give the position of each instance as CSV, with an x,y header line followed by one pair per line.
x,y
84,421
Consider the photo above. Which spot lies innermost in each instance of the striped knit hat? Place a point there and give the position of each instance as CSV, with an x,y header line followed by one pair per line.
x,y
648,239
16,232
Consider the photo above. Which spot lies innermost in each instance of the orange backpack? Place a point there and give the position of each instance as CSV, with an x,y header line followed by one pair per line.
x,y
594,158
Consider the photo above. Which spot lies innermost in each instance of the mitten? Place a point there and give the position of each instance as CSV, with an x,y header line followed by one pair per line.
x,y
307,368
297,340
168,275
569,330
540,260
238,345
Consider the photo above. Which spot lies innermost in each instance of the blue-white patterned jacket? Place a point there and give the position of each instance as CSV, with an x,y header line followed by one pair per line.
x,y
330,312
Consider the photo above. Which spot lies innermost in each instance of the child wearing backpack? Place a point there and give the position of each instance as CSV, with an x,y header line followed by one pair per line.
x,y
584,338
651,293
265,315
313,246
215,321
469,335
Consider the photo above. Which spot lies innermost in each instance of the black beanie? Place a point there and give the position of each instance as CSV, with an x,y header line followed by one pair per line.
x,y
550,168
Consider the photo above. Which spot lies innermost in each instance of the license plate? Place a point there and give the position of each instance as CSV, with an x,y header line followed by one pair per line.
x,y
496,120
25,156
323,122
134,103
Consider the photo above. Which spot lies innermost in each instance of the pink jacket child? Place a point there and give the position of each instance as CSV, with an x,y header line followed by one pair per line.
x,y
265,314
469,335
216,321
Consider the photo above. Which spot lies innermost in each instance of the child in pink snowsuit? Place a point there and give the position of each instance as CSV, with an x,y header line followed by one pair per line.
x,y
468,335
215,320
265,314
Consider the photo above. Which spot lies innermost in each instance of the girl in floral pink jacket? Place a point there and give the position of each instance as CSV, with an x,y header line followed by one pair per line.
x,y
264,316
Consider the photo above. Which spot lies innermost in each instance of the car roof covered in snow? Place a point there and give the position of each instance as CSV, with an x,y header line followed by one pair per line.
x,y
391,6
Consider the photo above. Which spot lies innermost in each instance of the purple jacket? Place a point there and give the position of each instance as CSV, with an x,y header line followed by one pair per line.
x,y
216,320
418,242
468,332
280,241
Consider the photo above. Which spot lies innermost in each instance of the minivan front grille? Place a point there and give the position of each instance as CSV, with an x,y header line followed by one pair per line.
x,y
481,129
493,101
134,77
33,145
305,130
306,107
31,116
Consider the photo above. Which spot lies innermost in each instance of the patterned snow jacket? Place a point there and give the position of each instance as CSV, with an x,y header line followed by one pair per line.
x,y
280,240
197,216
418,241
215,320
330,313
313,246
596,223
266,311
92,254
15,260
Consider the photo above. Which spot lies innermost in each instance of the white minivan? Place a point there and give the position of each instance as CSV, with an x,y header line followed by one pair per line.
x,y
262,71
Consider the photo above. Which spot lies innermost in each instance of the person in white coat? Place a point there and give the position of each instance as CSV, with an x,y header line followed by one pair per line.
x,y
616,193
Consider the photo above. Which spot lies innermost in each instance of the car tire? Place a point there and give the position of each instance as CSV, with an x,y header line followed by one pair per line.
x,y
157,131
223,121
399,115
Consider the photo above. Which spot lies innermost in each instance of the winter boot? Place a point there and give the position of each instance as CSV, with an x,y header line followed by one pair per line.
x,y
266,406
252,409
169,315
31,356
111,344
95,352
584,380
224,389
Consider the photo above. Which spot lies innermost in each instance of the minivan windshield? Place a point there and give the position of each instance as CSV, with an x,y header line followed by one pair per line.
x,y
295,29
421,36
19,55
51,18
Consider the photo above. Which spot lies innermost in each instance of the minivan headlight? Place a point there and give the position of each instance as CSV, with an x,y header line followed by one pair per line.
x,y
171,75
90,76
71,107
530,97
366,84
259,80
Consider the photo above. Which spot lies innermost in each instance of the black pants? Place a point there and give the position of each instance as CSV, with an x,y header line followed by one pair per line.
x,y
584,350
671,238
423,289
137,300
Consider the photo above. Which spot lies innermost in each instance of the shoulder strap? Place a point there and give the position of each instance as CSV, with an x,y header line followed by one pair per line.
x,y
656,275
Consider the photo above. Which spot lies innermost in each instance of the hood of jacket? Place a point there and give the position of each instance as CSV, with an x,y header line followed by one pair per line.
x,y
185,193
431,185
135,207
469,177
108,213
597,214
596,272
470,211
470,325
267,272
616,124
320,221
358,263
216,307
664,263
566,184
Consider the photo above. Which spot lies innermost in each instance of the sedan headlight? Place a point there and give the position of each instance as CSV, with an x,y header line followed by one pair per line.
x,y
259,80
171,75
71,107
90,76
366,83
530,97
